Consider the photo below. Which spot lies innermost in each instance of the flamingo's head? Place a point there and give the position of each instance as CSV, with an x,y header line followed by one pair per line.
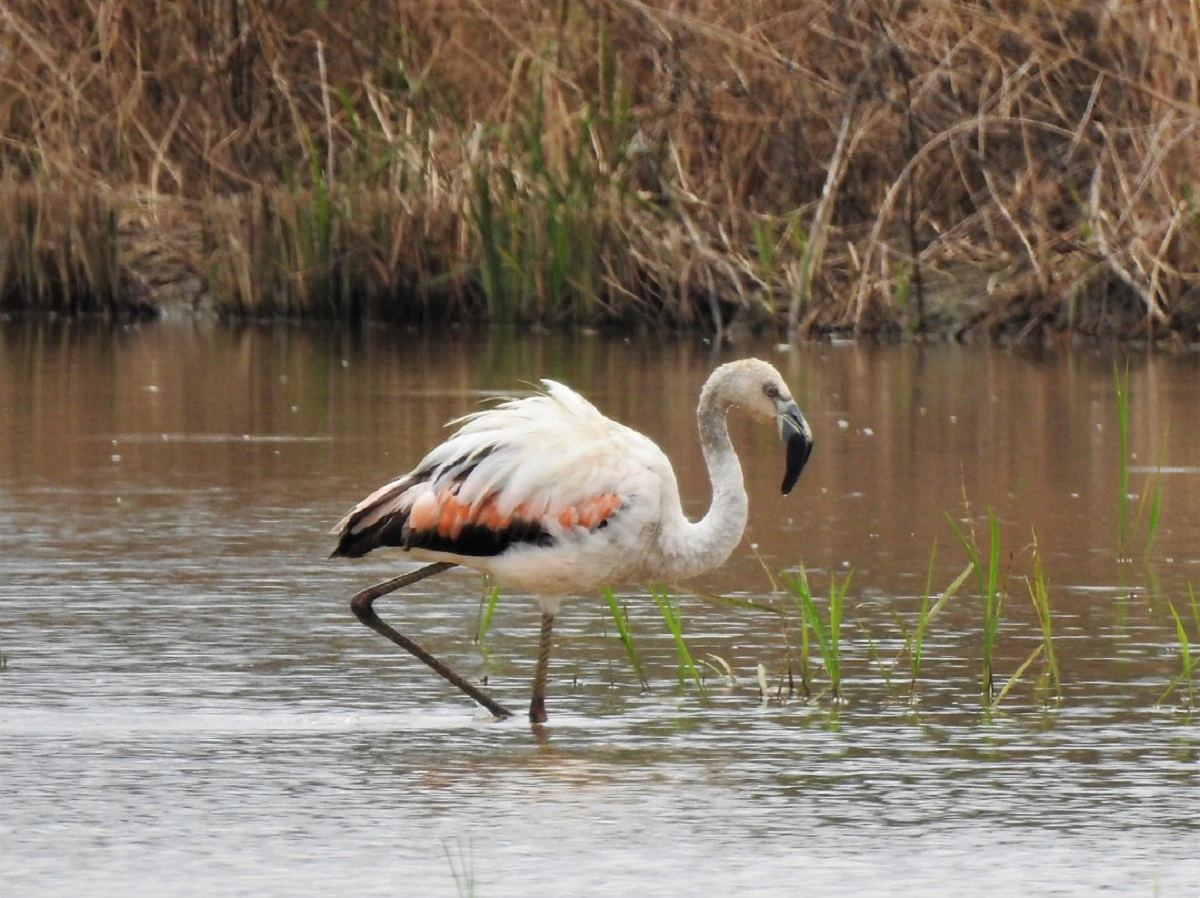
x,y
756,387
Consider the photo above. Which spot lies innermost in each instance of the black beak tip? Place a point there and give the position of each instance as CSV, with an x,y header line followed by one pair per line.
x,y
799,448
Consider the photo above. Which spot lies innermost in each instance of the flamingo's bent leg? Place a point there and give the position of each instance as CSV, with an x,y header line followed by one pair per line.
x,y
361,605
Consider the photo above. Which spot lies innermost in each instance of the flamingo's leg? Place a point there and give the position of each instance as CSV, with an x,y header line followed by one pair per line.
x,y
361,606
537,705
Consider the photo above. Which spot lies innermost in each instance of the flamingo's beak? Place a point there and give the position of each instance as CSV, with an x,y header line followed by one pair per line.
x,y
794,432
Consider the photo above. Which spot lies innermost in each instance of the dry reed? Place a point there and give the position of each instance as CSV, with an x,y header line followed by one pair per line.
x,y
1016,169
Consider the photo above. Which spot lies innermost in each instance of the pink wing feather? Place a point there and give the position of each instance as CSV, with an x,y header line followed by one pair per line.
x,y
527,471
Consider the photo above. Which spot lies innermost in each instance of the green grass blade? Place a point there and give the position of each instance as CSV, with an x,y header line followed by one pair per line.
x,y
462,867
954,587
799,586
1039,594
674,623
1184,649
994,554
928,614
828,634
813,620
918,640
1186,673
487,607
731,601
1017,675
884,667
1156,496
972,552
622,625
988,584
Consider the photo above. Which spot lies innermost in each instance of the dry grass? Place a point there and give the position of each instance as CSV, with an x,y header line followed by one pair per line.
x,y
59,253
1013,168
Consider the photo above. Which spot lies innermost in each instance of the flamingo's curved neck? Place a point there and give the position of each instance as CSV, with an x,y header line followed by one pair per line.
x,y
707,543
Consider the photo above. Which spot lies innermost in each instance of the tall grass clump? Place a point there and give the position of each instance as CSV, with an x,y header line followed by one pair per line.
x,y
827,633
674,623
542,229
813,166
58,252
991,597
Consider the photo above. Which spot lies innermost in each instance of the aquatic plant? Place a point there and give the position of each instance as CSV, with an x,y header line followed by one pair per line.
x,y
462,866
620,618
798,584
1187,665
675,624
1151,496
991,597
805,652
1039,594
883,666
720,667
487,607
827,634
914,637
1153,493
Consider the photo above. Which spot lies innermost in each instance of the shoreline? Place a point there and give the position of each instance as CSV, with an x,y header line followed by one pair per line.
x,y
946,172
161,274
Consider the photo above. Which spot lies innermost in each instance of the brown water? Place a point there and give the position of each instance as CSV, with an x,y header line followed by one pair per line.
x,y
190,709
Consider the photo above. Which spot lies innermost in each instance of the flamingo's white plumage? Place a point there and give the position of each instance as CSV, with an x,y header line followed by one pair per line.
x,y
552,498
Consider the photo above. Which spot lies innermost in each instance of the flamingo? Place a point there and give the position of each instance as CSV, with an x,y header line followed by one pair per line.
x,y
551,498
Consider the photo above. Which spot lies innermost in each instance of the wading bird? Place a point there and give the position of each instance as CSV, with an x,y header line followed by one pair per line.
x,y
549,497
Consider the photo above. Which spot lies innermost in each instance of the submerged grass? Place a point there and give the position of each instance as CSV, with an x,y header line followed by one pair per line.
x,y
462,867
610,163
